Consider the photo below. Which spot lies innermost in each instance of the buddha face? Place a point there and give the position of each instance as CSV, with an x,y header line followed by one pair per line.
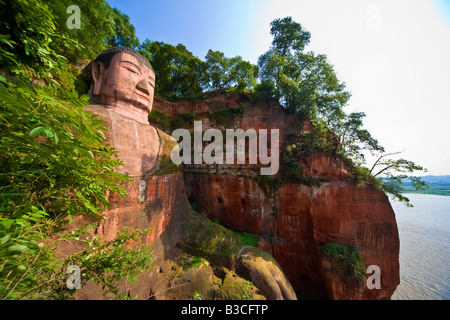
x,y
126,83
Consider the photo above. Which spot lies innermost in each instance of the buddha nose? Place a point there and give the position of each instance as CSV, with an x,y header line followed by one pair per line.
x,y
143,86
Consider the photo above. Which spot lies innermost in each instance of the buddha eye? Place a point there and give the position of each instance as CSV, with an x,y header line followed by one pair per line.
x,y
131,70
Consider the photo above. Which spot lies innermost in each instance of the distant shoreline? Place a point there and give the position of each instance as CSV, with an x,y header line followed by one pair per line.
x,y
436,190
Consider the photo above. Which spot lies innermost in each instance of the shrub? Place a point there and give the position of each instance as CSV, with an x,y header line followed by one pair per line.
x,y
350,256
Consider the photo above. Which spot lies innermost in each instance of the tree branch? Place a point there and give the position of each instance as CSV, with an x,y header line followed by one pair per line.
x,y
378,160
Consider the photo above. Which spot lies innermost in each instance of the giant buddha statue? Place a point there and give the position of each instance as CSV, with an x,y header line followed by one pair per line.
x,y
122,89
122,84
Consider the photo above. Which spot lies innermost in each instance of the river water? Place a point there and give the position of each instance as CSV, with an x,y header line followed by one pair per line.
x,y
424,232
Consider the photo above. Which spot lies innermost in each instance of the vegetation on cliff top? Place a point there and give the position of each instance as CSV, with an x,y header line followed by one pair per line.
x,y
304,84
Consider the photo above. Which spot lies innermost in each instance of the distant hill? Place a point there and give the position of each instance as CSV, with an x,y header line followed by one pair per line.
x,y
439,185
432,181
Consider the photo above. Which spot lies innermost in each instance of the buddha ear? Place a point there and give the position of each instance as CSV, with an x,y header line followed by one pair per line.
x,y
97,77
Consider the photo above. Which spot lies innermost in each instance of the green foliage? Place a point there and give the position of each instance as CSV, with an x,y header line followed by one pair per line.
x,y
236,288
242,73
189,261
196,296
353,139
160,120
208,239
246,239
166,166
27,267
179,74
55,163
27,38
223,72
183,120
53,152
288,35
125,33
108,262
319,139
217,69
248,291
225,117
385,170
264,90
243,238
269,185
437,190
306,84
365,177
97,20
350,256
169,124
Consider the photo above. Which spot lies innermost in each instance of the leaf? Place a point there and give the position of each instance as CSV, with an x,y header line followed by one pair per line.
x,y
101,135
7,223
56,138
37,131
18,248
49,133
5,239
21,268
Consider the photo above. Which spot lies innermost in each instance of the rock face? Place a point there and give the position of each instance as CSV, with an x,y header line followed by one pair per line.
x,y
295,220
157,199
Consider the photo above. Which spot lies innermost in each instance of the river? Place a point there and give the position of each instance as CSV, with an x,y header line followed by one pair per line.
x,y
424,232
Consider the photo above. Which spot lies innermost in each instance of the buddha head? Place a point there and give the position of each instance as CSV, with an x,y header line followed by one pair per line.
x,y
123,80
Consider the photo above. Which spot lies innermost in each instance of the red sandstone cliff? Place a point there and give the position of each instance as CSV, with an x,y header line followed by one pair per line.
x,y
157,199
294,221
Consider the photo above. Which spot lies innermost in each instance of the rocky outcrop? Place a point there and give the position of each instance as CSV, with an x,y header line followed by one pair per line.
x,y
295,220
263,270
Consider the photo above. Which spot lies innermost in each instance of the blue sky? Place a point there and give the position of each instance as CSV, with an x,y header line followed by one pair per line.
x,y
393,55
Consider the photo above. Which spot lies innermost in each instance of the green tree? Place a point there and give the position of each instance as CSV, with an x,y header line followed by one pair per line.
x,y
218,68
223,72
353,138
288,36
125,33
242,73
391,174
97,27
178,72
305,82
